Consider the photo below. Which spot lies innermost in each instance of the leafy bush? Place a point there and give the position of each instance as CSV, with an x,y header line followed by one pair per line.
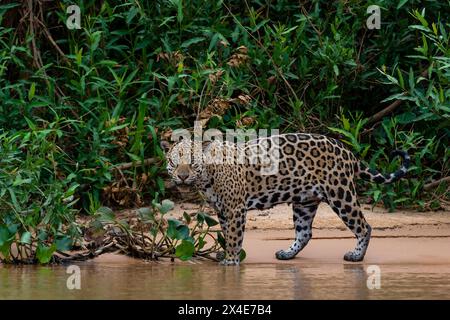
x,y
154,235
36,203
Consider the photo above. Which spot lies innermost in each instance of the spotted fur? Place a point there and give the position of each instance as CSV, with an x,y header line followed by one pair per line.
x,y
311,169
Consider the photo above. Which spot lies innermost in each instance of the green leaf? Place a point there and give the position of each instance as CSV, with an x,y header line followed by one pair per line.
x,y
376,195
401,4
187,217
5,235
391,79
44,253
406,117
402,199
200,217
63,243
425,45
444,108
79,56
400,78
190,239
12,228
435,30
166,206
291,75
177,230
411,79
426,116
336,70
345,123
221,240
192,41
14,199
9,6
5,250
185,250
133,157
25,238
182,232
363,153
180,11
204,217
421,18
352,139
42,235
146,214
213,42
387,129
131,14
201,243
32,91
106,214
242,255
94,39
71,190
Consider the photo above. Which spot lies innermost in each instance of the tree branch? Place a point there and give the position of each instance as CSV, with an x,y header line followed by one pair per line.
x,y
128,165
390,108
436,183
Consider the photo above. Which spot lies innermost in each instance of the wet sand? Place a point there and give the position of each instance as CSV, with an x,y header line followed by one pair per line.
x,y
400,237
261,246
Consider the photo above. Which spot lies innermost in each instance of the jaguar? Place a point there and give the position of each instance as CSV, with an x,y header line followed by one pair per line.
x,y
302,169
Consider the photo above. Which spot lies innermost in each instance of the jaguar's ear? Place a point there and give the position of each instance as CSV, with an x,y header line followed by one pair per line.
x,y
165,145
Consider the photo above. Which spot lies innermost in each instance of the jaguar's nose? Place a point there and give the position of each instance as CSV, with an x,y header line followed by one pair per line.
x,y
183,175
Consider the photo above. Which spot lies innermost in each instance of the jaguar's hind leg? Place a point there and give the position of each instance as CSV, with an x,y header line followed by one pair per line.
x,y
351,214
304,214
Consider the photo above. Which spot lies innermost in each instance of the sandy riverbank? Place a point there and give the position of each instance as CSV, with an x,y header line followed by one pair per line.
x,y
400,237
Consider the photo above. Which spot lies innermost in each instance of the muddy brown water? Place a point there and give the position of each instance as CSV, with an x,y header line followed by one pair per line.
x,y
208,281
410,269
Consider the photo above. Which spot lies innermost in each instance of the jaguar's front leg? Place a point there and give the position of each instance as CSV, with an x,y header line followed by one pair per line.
x,y
234,235
224,226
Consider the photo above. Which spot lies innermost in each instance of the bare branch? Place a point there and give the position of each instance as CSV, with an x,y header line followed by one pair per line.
x,y
129,165
436,183
390,108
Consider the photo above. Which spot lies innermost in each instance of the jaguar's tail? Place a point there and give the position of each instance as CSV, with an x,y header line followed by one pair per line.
x,y
375,176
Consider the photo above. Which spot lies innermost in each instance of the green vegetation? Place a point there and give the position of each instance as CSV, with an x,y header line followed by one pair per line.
x,y
153,235
82,111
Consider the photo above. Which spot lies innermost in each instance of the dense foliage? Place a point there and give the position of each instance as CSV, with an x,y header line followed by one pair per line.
x,y
82,111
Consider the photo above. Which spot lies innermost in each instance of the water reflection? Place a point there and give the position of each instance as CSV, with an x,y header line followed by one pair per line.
x,y
140,280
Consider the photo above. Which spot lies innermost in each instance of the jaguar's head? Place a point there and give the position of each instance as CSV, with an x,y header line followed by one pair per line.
x,y
182,166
